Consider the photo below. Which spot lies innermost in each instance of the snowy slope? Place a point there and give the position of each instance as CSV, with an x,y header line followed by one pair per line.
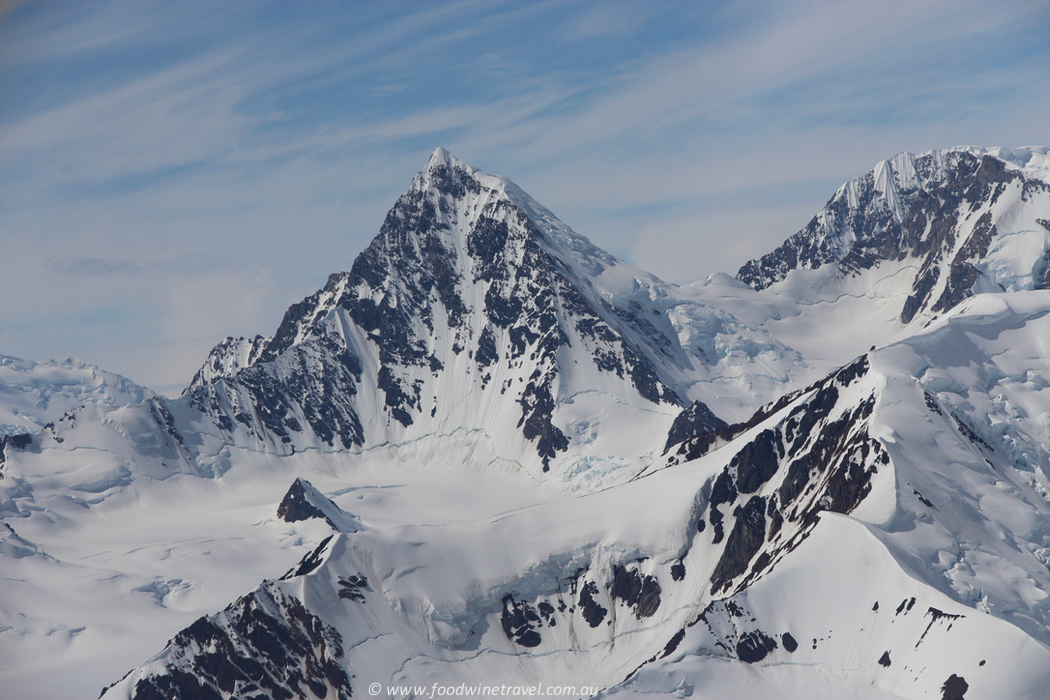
x,y
957,533
473,297
33,394
840,619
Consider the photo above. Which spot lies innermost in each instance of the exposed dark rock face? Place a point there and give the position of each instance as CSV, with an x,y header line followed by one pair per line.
x,y
523,621
537,407
754,646
637,590
159,410
936,616
696,419
234,353
673,643
744,541
884,660
931,403
265,645
310,562
962,274
971,434
520,621
1042,270
736,632
818,456
547,613
302,502
757,461
698,445
912,207
310,386
295,506
593,612
20,441
954,688
723,491
179,685
353,587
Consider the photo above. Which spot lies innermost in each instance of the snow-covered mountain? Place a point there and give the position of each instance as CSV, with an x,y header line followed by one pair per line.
x,y
491,454
473,307
948,223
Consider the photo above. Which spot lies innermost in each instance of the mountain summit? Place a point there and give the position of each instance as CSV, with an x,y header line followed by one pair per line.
x,y
466,311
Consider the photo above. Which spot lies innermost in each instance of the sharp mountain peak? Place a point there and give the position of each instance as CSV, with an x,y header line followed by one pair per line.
x,y
468,277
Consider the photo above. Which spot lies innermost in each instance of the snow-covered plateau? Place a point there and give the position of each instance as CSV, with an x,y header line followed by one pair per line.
x,y
491,458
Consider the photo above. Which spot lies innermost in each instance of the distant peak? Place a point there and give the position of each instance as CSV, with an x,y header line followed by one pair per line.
x,y
1033,161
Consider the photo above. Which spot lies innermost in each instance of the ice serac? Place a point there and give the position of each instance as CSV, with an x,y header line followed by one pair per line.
x,y
473,308
963,221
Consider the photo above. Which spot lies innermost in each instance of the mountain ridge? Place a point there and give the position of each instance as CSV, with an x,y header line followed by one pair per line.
x,y
914,209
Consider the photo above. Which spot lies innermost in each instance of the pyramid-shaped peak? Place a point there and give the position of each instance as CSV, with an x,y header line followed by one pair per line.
x,y
447,173
303,501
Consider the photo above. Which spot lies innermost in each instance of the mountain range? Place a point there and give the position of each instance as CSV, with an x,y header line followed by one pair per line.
x,y
492,454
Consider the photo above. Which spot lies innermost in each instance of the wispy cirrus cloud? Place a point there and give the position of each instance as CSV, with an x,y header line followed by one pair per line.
x,y
199,142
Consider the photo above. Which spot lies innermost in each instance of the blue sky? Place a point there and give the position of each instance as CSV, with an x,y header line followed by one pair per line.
x,y
172,173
